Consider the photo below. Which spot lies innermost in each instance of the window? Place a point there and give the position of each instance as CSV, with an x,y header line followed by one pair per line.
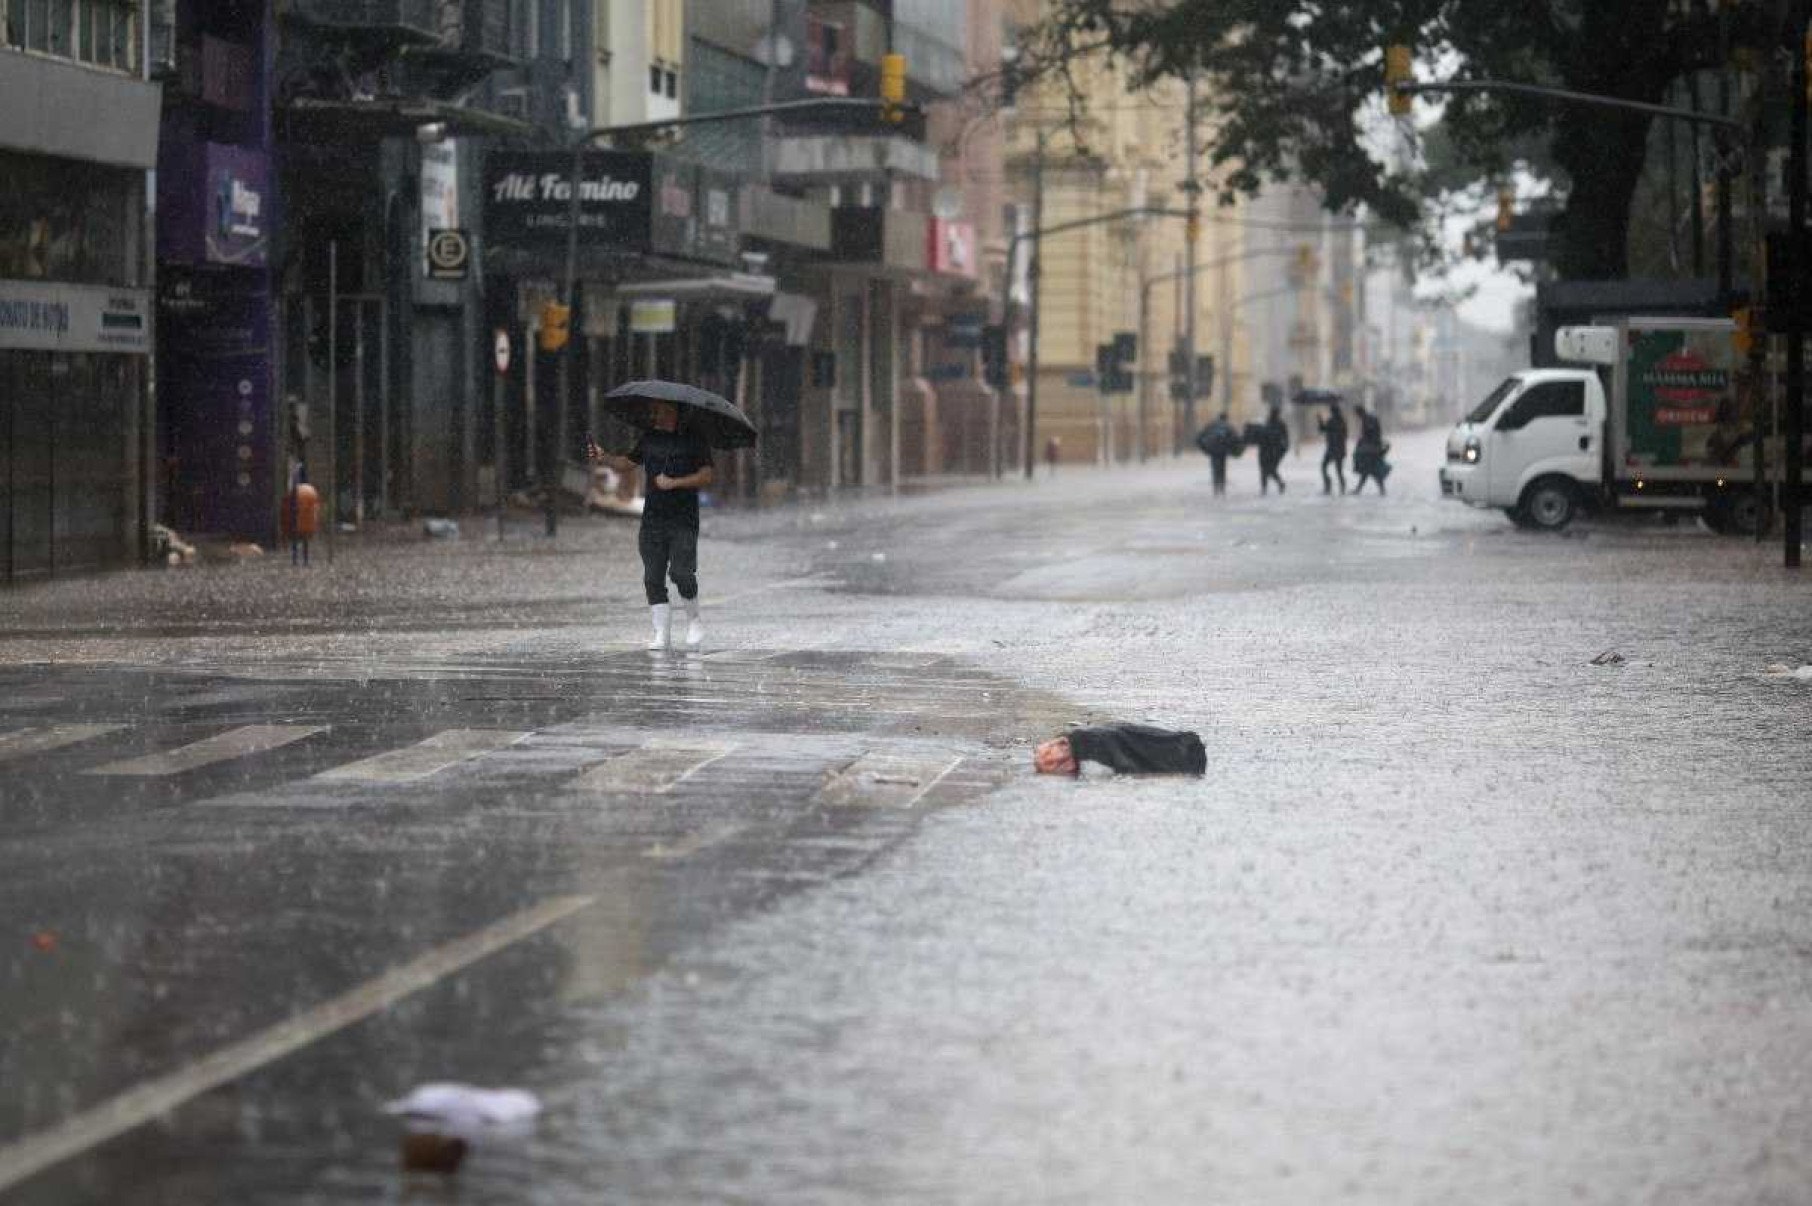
x,y
1484,410
15,22
1548,400
672,84
654,80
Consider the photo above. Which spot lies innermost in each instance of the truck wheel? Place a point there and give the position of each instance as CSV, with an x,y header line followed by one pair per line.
x,y
1739,513
1549,504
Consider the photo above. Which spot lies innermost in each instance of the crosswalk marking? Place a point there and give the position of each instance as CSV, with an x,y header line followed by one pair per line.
x,y
424,758
50,737
222,747
884,781
657,766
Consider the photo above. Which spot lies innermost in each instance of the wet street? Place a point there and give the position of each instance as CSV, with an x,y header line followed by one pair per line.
x,y
1456,915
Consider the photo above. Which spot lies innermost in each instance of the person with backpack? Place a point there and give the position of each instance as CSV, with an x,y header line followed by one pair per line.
x,y
1333,431
1273,442
1218,441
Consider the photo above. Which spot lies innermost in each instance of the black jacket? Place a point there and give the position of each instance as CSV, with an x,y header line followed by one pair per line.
x,y
1140,749
1333,429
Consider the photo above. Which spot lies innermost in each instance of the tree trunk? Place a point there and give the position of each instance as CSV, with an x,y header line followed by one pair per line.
x,y
1603,153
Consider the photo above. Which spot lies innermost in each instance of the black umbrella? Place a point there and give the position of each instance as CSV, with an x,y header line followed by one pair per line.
x,y
715,419
1318,397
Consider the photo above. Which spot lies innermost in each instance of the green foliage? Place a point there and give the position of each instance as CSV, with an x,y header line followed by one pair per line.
x,y
1295,86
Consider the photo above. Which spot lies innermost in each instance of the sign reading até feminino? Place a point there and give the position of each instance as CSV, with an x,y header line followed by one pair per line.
x,y
528,199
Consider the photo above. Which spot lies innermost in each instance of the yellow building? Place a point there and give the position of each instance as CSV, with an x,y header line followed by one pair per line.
x,y
1127,275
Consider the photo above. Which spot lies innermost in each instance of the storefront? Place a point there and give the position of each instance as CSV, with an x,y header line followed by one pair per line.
x,y
72,362
662,294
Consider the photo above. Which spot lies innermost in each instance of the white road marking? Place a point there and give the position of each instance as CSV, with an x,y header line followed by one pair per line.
x,y
222,747
884,781
424,758
658,766
50,737
158,1096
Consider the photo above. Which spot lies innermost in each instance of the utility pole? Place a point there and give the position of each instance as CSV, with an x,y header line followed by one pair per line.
x,y
1036,270
1798,256
1192,232
1719,142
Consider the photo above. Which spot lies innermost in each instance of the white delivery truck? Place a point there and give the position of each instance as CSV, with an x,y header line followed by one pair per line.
x,y
1665,421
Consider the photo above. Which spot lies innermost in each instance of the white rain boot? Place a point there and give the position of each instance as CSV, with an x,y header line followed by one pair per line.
x,y
695,628
662,614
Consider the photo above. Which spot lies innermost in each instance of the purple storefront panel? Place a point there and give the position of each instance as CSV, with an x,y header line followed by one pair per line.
x,y
215,203
217,399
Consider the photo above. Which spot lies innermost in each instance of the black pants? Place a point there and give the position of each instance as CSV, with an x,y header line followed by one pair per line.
x,y
1337,460
668,549
1267,473
1218,464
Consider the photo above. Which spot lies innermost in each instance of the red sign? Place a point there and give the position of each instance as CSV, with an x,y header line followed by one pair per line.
x,y
950,247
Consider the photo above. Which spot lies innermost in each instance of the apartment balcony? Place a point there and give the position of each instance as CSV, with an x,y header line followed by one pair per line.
x,y
402,22
851,158
855,32
446,29
887,239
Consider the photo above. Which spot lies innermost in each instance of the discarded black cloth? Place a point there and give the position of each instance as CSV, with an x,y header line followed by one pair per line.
x,y
1140,749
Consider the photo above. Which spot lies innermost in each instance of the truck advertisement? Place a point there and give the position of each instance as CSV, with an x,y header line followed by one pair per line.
x,y
1685,404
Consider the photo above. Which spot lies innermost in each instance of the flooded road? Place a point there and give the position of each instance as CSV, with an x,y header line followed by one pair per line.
x,y
1454,915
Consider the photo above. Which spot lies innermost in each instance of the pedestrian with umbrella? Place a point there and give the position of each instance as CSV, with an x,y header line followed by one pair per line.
x,y
678,427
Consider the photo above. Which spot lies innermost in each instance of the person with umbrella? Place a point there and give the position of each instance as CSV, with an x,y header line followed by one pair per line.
x,y
674,452
1333,431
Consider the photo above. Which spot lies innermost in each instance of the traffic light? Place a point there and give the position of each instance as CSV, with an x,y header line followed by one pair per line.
x,y
1743,338
1397,71
1506,208
1112,375
893,87
1204,376
556,329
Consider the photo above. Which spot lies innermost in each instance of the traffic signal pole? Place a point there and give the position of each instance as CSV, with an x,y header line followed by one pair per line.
x,y
1192,233
1798,257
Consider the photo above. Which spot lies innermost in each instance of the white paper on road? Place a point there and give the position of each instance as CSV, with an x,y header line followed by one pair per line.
x,y
50,737
424,758
222,747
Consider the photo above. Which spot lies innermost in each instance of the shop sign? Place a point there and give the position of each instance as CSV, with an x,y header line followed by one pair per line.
x,y
449,255
42,316
652,316
236,210
950,247
964,330
439,194
528,196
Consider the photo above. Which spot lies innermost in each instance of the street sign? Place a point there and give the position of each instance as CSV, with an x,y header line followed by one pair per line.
x,y
500,351
449,255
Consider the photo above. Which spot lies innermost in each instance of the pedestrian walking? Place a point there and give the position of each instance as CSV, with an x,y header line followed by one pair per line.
x,y
1333,432
677,465
679,425
1218,441
1053,451
1273,442
1368,453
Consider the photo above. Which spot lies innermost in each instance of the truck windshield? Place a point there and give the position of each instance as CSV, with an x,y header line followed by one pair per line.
x,y
1484,409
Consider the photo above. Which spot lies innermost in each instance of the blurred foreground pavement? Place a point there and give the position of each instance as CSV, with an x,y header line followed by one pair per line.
x,y
1455,915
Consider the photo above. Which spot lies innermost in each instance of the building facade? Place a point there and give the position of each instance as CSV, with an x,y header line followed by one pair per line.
x,y
76,321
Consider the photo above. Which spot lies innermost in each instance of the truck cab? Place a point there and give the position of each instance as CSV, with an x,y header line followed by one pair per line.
x,y
1534,448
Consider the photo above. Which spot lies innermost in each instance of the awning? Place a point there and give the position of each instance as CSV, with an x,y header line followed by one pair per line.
x,y
728,286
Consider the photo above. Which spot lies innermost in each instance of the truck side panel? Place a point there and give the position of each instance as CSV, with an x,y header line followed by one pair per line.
x,y
1677,412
